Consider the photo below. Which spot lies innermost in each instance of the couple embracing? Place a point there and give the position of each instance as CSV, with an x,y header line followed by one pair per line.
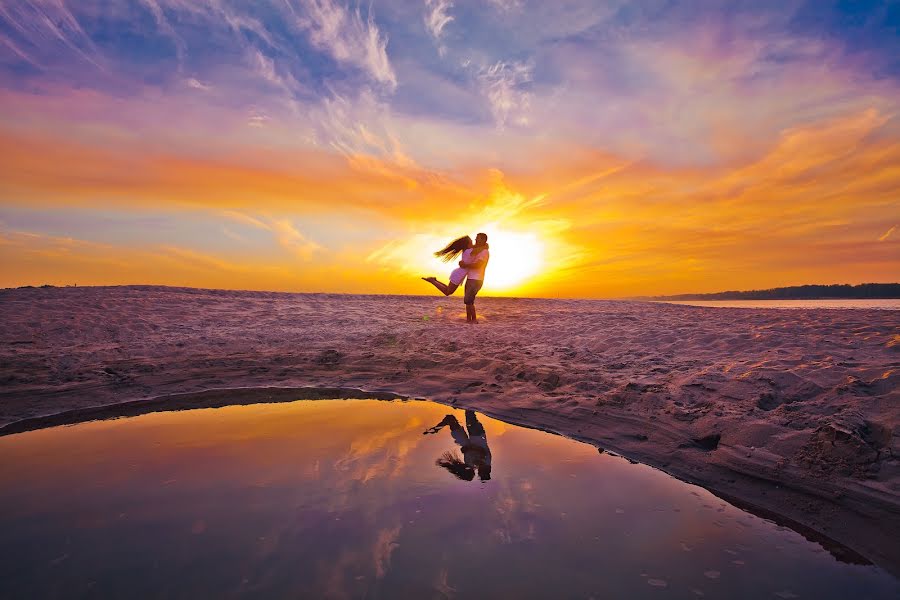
x,y
473,261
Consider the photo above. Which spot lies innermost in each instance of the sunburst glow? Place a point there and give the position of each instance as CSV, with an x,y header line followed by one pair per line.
x,y
515,257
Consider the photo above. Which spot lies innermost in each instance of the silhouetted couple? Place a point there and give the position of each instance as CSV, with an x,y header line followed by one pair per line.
x,y
473,444
473,261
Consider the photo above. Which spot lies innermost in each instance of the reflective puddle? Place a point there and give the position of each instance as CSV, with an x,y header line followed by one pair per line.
x,y
348,499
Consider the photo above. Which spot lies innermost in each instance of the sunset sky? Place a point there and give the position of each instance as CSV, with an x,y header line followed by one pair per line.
x,y
608,148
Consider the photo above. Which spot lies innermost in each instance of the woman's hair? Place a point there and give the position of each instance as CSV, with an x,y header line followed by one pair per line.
x,y
453,463
454,248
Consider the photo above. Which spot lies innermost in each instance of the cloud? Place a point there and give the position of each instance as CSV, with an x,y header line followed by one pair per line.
x,y
284,231
257,119
293,240
166,28
42,24
265,68
18,51
887,234
437,17
504,85
234,235
246,219
349,39
507,6
385,544
198,85
200,260
361,128
28,258
62,171
719,91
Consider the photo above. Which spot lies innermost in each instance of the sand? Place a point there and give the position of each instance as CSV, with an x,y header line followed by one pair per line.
x,y
794,414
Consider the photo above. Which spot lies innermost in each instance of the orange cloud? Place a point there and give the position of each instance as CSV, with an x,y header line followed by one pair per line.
x,y
43,170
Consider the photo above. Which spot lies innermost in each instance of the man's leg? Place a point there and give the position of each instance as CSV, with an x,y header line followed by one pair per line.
x,y
472,287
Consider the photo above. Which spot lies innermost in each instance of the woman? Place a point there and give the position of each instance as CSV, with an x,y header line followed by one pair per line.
x,y
474,260
473,444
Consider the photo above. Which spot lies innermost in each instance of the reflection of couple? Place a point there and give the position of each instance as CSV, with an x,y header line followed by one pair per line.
x,y
474,258
474,447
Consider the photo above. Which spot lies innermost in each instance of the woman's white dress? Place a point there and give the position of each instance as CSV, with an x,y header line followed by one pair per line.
x,y
458,275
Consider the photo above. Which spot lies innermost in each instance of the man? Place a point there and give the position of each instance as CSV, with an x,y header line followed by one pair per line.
x,y
475,260
474,446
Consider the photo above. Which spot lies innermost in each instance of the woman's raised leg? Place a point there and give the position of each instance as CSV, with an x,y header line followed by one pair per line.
x,y
446,288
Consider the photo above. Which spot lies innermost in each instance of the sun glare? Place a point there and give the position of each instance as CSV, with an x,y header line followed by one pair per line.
x,y
515,257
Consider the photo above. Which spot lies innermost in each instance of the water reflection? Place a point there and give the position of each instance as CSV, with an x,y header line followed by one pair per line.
x,y
342,499
472,443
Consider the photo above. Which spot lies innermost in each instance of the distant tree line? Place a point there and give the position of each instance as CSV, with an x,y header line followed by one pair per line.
x,y
845,291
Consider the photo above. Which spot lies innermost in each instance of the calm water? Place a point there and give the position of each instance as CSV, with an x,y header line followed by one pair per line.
x,y
344,499
890,304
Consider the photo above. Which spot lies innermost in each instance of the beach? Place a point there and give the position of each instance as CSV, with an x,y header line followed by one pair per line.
x,y
794,414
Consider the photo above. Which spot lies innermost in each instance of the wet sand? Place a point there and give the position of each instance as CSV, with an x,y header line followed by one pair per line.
x,y
791,413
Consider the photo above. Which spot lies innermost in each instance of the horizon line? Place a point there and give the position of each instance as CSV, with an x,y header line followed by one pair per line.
x,y
641,298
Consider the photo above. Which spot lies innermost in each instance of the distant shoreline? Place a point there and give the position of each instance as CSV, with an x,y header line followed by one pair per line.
x,y
864,291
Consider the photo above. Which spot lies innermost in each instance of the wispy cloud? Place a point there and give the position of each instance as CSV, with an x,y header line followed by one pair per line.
x,y
349,38
385,544
43,23
292,240
888,234
15,49
166,28
265,68
361,130
504,84
284,231
437,17
257,118
198,85
507,6
357,126
245,219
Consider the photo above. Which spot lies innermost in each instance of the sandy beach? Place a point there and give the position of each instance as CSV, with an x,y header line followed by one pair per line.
x,y
793,414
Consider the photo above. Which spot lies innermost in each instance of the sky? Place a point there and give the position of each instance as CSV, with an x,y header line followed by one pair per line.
x,y
609,149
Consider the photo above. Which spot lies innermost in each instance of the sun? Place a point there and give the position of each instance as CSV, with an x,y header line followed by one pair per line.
x,y
515,257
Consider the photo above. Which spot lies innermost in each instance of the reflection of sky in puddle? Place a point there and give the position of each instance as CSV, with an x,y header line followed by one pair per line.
x,y
343,499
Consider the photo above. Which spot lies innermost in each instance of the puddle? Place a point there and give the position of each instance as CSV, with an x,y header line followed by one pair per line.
x,y
348,498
